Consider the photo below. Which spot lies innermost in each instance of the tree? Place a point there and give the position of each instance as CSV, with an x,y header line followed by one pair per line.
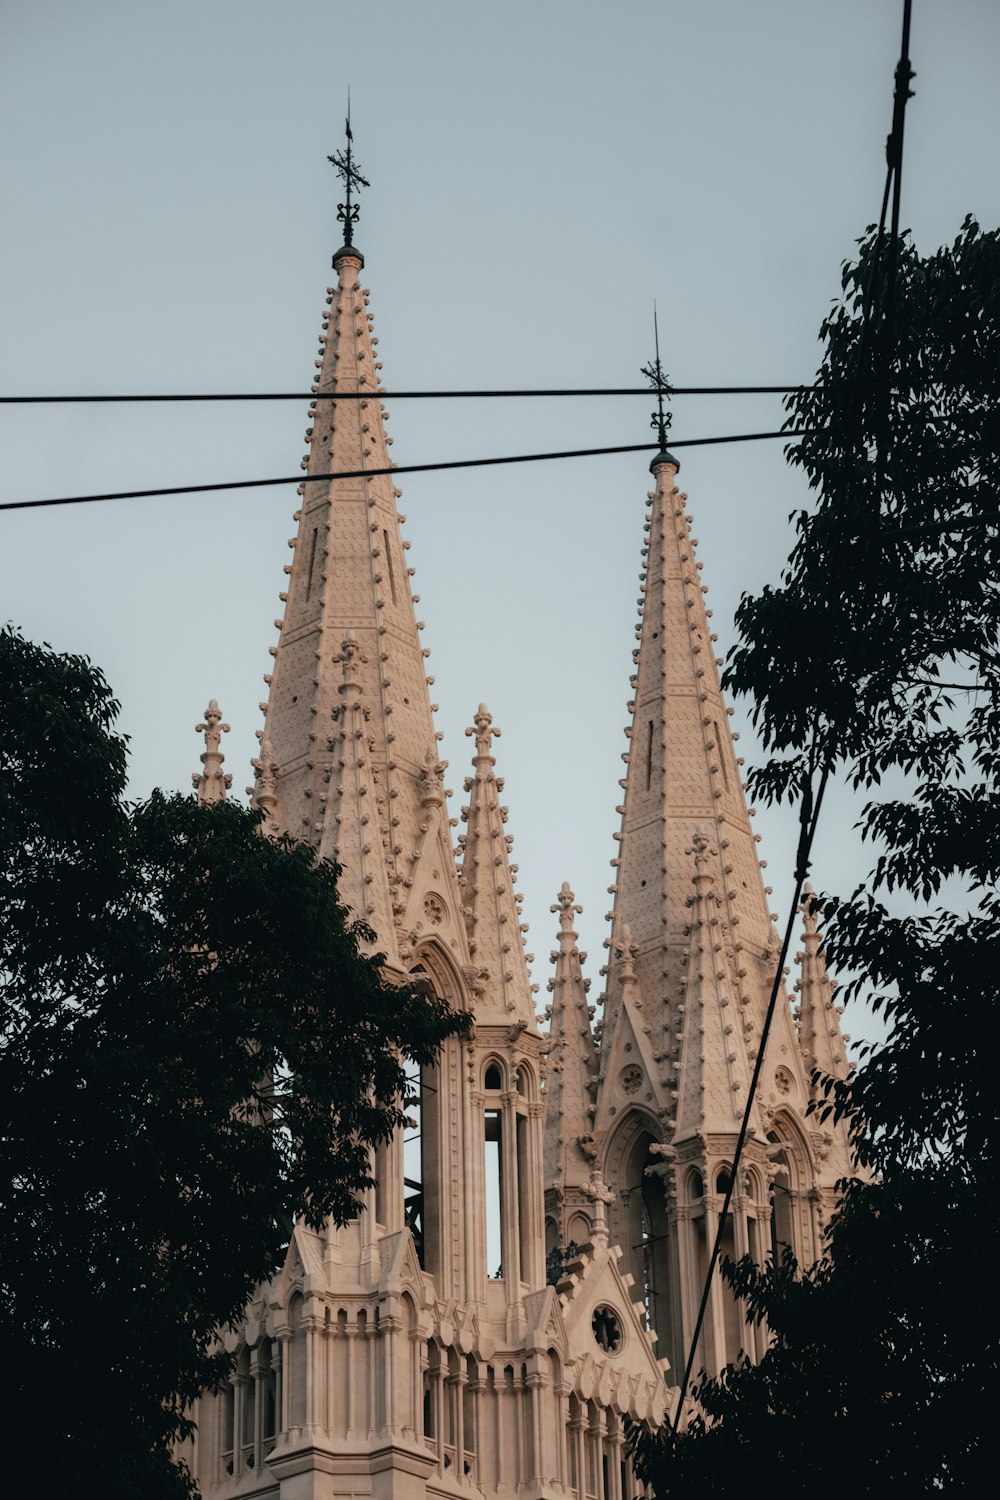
x,y
194,1051
878,656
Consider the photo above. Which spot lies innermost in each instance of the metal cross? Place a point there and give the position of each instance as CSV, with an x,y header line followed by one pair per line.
x,y
348,212
660,419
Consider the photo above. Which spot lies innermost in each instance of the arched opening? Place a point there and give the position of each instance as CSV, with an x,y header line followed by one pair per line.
x,y
296,1363
493,1163
790,1181
422,1133
227,1426
732,1320
639,1221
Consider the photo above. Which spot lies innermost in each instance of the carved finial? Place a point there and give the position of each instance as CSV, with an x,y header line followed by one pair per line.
x,y
811,911
626,953
432,776
348,212
600,1195
565,907
483,730
264,794
699,847
351,659
213,782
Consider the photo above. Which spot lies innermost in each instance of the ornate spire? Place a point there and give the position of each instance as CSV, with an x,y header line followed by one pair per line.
x,y
713,1067
262,794
348,212
351,835
492,907
212,782
682,775
572,1075
820,1038
349,581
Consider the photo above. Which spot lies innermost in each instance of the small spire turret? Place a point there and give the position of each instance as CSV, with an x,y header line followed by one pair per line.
x,y
212,783
572,1077
492,907
714,1069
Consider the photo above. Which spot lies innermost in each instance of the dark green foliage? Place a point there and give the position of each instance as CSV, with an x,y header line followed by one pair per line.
x,y
879,651
194,1051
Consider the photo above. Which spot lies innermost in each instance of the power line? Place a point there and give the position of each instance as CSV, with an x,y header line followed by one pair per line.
x,y
488,395
458,463
809,811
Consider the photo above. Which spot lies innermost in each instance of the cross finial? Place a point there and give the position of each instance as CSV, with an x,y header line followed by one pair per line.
x,y
483,730
213,783
654,373
348,212
566,906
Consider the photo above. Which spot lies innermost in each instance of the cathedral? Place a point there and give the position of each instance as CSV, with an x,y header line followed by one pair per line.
x,y
524,1279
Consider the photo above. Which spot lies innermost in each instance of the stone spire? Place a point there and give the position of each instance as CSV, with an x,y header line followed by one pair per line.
x,y
262,794
572,1073
682,776
713,1066
820,1038
351,833
212,782
492,906
349,581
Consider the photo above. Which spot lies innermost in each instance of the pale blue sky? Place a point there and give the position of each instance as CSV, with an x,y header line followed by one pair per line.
x,y
540,172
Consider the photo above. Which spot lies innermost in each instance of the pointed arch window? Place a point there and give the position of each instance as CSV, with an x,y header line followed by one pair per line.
x,y
493,1148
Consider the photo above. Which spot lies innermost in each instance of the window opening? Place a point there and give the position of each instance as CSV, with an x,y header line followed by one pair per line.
x,y
413,1159
312,562
523,1217
720,751
648,1265
388,564
493,1140
649,755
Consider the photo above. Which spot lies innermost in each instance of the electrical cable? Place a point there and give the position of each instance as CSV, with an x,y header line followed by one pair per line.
x,y
459,463
808,818
810,809
688,390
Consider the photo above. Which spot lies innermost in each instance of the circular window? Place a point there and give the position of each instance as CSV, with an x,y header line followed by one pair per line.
x,y
630,1079
607,1329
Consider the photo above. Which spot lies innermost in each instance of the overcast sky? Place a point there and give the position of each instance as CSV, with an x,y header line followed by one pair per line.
x,y
540,172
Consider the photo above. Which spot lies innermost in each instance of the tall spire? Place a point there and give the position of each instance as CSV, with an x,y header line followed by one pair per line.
x,y
572,1076
349,581
492,906
682,776
212,782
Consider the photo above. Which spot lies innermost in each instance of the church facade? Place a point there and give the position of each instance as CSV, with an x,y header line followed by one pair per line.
x,y
524,1279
